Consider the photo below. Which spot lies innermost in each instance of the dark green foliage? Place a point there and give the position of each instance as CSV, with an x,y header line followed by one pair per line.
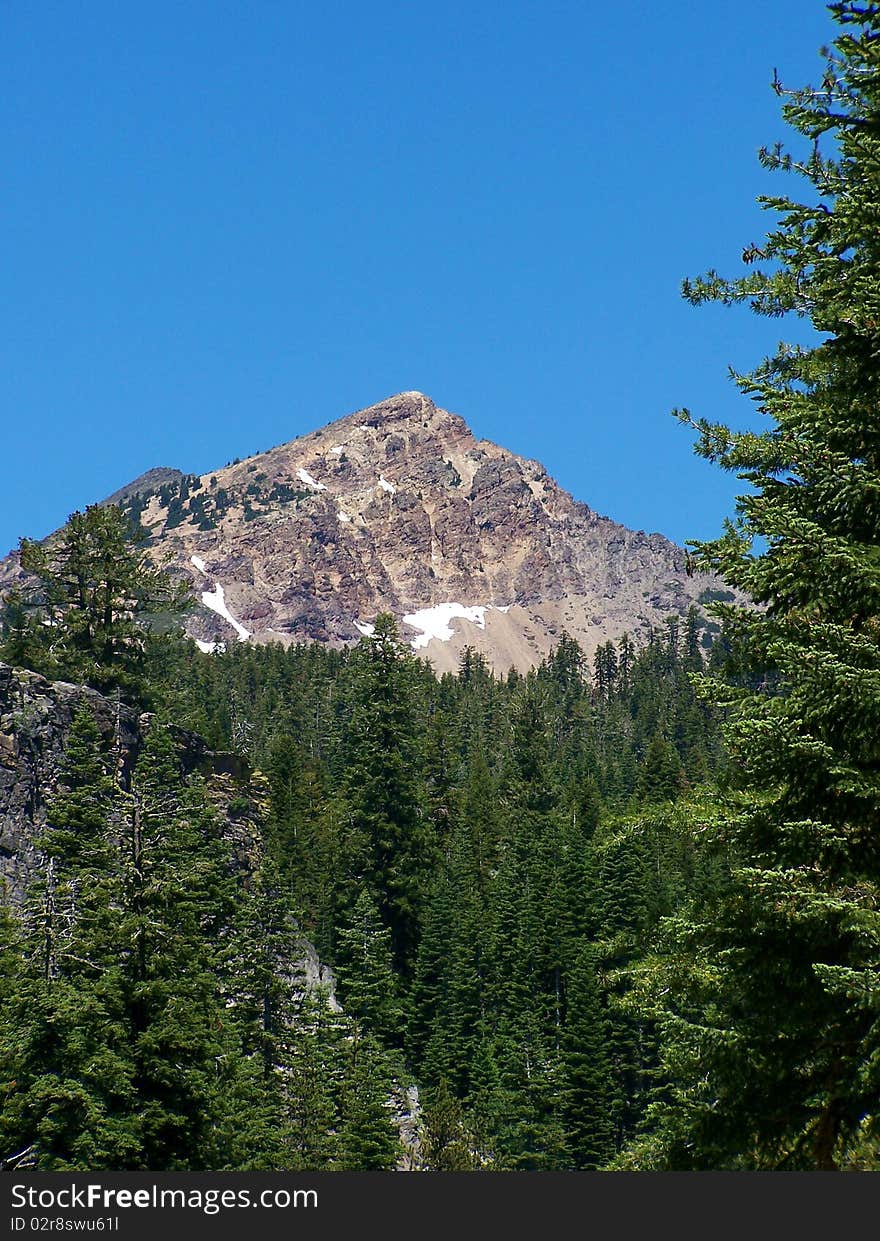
x,y
477,838
383,788
311,1085
88,616
283,493
68,1080
767,991
446,1146
586,1084
369,987
488,796
367,1138
77,818
116,1038
661,775
449,845
176,896
64,1053
63,1032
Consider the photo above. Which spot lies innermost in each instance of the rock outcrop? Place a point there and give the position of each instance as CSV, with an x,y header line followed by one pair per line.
x,y
35,718
399,508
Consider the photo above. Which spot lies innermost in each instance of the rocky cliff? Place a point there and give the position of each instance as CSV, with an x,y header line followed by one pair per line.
x,y
35,717
399,508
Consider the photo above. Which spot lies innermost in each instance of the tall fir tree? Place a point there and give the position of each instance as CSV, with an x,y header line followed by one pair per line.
x,y
177,906
447,1145
85,610
586,1090
64,1038
385,789
769,994
369,987
368,1140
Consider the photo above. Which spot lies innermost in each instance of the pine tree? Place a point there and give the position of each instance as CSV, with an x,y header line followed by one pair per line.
x,y
446,1146
528,913
15,1149
84,616
385,791
76,836
261,1002
368,985
661,776
587,1092
178,898
368,1139
313,1063
64,1041
447,1000
619,917
769,994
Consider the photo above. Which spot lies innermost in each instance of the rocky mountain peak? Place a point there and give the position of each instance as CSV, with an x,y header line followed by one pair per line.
x,y
399,508
145,484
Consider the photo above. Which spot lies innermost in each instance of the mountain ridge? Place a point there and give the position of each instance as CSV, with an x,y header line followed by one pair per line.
x,y
398,507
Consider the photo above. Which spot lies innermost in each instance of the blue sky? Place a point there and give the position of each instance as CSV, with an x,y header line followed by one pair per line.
x,y
225,224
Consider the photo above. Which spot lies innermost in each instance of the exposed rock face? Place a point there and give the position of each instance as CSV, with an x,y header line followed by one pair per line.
x,y
399,508
309,974
407,1114
35,718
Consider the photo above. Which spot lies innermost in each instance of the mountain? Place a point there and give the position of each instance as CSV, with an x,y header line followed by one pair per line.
x,y
399,508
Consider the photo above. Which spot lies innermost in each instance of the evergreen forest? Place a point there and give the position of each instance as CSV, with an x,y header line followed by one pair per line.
x,y
477,858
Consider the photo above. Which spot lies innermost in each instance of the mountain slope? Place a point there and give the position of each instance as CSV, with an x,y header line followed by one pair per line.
x,y
399,508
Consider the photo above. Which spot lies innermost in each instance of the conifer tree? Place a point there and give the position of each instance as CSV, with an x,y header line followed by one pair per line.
x,y
368,1140
771,1029
661,776
83,616
76,836
586,1089
369,988
178,898
313,1064
64,1040
261,1002
448,1000
385,791
446,1145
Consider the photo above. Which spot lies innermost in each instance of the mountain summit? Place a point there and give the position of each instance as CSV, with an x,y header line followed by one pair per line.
x,y
399,508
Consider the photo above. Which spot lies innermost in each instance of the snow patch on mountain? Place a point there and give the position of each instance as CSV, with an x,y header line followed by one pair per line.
x,y
216,600
210,648
305,477
386,486
434,622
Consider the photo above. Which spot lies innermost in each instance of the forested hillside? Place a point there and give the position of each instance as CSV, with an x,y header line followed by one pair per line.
x,y
476,857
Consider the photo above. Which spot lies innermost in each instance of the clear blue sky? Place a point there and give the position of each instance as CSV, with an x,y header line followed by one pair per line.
x,y
225,224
